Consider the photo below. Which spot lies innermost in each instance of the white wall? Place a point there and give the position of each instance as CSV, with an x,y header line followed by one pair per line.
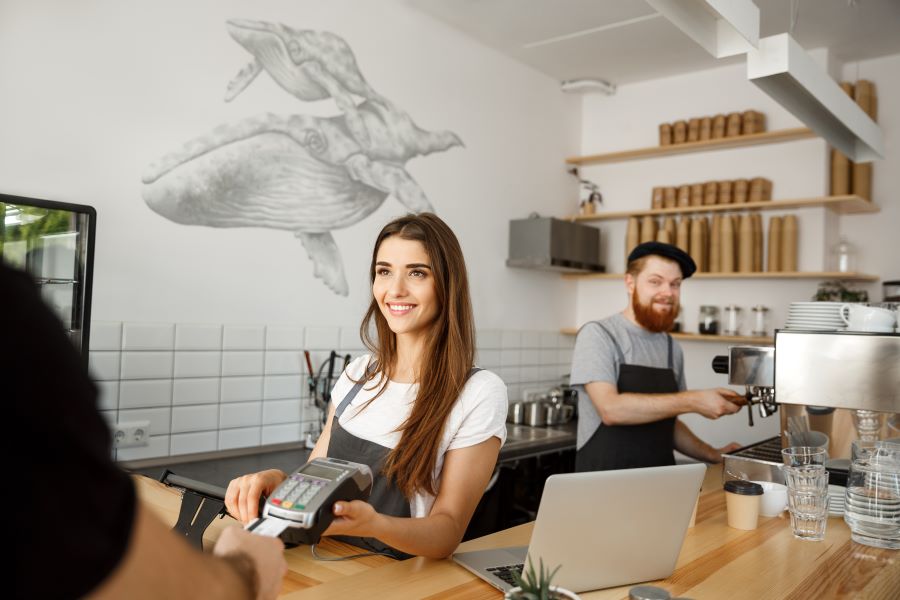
x,y
94,91
630,118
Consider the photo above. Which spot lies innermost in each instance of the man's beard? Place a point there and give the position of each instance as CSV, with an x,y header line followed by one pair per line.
x,y
650,319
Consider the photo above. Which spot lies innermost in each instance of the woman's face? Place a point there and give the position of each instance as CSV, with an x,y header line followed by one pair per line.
x,y
404,286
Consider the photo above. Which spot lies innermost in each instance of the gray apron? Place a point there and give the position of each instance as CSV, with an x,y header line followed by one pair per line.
x,y
385,498
633,446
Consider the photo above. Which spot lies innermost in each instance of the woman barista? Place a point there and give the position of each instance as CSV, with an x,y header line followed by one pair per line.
x,y
428,424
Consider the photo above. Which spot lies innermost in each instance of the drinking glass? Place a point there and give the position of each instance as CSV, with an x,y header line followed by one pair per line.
x,y
872,499
799,456
807,488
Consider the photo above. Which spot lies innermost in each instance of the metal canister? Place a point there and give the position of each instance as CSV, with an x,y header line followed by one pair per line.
x,y
516,413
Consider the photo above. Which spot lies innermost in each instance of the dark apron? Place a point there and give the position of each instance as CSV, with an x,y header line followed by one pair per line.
x,y
633,446
386,498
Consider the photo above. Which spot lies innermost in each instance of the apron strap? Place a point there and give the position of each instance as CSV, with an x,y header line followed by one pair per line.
x,y
615,343
359,385
671,358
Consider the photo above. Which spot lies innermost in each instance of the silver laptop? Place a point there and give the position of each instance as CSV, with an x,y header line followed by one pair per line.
x,y
605,528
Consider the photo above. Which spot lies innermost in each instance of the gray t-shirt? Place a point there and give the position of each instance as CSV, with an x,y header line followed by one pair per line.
x,y
595,359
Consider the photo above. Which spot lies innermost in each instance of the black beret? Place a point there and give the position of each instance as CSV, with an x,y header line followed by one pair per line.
x,y
684,260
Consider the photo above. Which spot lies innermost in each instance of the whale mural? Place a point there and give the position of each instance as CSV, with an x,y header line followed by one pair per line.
x,y
305,174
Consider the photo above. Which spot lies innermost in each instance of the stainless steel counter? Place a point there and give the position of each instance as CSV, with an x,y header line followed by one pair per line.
x,y
523,441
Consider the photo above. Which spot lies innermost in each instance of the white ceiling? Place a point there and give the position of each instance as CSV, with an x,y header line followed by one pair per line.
x,y
624,41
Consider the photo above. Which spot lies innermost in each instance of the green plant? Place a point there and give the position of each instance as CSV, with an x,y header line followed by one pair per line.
x,y
535,586
836,291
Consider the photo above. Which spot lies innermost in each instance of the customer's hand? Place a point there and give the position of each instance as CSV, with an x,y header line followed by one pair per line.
x,y
243,494
718,402
266,555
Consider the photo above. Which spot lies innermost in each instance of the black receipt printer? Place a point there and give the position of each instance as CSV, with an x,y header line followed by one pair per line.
x,y
300,509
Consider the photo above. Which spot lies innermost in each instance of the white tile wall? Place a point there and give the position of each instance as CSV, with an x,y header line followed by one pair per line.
x,y
191,443
198,364
281,411
198,337
104,366
106,335
283,337
242,389
240,414
242,363
196,391
148,336
239,438
145,393
159,418
322,338
208,386
202,417
146,365
244,337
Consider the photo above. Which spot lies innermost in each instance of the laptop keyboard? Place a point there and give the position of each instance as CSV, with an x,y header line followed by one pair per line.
x,y
506,572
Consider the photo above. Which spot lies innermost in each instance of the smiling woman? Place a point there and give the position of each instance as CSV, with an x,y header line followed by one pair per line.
x,y
415,409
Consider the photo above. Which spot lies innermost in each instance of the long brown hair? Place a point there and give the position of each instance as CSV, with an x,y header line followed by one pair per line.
x,y
448,356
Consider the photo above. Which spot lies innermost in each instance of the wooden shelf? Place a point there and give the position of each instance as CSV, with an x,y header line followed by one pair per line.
x,y
763,275
768,137
697,337
844,205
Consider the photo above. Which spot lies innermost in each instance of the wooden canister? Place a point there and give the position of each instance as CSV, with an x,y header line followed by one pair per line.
x,y
697,250
706,128
745,245
632,234
696,194
664,236
864,94
679,132
789,237
740,191
684,195
773,263
718,126
753,122
656,201
840,164
766,189
665,134
756,190
704,231
648,229
710,193
670,196
693,132
724,192
715,244
669,225
757,242
683,234
733,125
726,253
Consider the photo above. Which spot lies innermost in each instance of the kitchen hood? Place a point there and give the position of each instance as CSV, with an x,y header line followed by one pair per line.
x,y
551,244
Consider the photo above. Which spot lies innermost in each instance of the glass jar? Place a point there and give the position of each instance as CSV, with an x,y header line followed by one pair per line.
x,y
844,256
760,320
732,322
709,320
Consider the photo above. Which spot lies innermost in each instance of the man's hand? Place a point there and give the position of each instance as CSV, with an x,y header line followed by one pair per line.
x,y
266,555
716,456
717,402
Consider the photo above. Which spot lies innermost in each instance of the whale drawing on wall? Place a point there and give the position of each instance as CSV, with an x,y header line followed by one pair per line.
x,y
305,174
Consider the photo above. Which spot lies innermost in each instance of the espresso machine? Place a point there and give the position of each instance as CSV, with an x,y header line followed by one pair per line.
x,y
837,369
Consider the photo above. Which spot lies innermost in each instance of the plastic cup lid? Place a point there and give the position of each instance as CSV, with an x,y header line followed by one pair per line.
x,y
744,488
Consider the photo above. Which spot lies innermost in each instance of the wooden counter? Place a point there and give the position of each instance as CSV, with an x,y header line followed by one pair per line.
x,y
715,562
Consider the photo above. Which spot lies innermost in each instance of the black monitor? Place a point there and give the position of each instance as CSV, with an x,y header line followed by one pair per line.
x,y
54,242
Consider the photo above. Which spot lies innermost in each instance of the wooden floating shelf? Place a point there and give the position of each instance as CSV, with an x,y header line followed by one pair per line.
x,y
698,337
845,205
755,139
762,275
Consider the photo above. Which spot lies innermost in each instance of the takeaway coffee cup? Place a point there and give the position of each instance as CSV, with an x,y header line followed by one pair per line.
x,y
742,500
868,318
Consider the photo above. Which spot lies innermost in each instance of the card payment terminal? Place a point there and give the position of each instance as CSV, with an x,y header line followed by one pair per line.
x,y
300,509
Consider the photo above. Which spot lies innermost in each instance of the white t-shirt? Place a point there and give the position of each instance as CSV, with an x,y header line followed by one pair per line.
x,y
479,414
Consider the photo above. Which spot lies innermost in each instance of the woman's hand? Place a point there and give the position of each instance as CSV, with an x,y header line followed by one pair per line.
x,y
243,494
355,518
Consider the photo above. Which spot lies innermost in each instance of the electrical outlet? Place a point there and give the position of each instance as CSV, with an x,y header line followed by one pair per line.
x,y
131,434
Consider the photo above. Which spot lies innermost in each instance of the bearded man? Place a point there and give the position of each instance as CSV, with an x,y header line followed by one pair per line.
x,y
629,374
